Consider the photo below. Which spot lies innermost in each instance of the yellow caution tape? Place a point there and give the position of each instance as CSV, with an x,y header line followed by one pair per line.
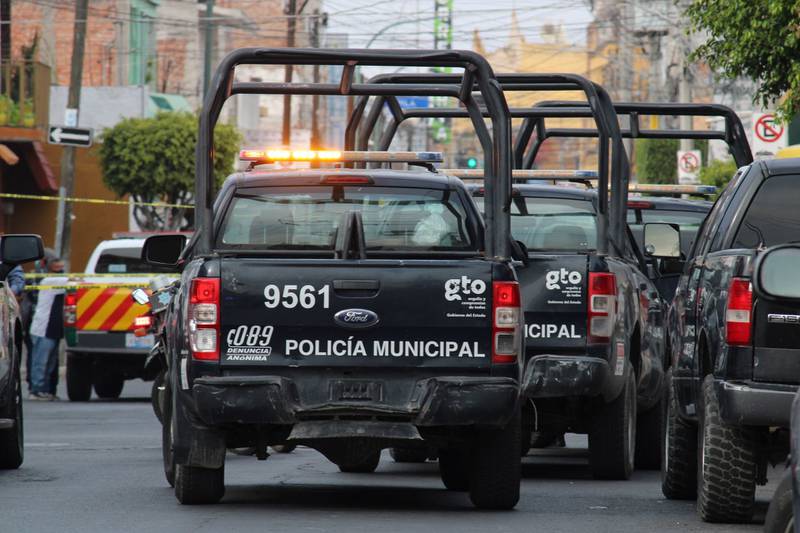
x,y
34,275
90,285
90,200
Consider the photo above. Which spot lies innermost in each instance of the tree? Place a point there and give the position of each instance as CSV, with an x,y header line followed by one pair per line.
x,y
759,40
152,159
656,160
718,173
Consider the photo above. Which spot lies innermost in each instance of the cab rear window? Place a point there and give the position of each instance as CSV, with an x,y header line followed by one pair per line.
x,y
308,218
772,217
559,224
124,261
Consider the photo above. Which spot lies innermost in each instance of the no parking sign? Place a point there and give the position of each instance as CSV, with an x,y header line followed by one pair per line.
x,y
768,135
689,162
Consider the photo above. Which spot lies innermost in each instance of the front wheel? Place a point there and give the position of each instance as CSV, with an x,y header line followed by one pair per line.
x,y
496,467
612,436
109,386
648,437
678,451
726,478
198,486
12,448
364,463
454,469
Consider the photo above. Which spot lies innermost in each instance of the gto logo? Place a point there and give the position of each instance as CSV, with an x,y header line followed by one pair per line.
x,y
454,288
355,318
555,278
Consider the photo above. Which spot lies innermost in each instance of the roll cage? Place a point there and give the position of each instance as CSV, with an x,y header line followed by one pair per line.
x,y
478,76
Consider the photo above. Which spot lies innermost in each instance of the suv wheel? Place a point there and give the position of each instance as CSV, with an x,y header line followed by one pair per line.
x,y
678,450
109,386
196,486
496,467
612,435
454,469
12,439
364,463
726,478
79,377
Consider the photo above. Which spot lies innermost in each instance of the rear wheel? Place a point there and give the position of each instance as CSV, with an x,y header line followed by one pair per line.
x,y
363,463
197,486
678,451
12,448
612,436
109,386
166,439
726,478
454,469
496,467
79,377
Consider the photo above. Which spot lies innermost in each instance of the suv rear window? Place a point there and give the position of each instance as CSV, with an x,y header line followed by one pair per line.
x,y
124,261
307,218
561,224
772,217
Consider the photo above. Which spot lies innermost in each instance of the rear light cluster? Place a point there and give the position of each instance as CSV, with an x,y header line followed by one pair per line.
x,y
506,322
739,314
204,319
144,321
602,306
70,309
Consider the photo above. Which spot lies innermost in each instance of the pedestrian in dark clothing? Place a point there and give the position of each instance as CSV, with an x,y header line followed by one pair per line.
x,y
47,329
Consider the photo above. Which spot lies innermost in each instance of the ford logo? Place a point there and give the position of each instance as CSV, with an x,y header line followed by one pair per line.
x,y
355,318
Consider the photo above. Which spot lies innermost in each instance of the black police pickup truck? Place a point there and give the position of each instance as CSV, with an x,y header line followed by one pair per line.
x,y
348,310
14,250
734,355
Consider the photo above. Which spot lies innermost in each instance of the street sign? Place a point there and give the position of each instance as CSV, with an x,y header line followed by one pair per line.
x,y
689,162
768,136
70,136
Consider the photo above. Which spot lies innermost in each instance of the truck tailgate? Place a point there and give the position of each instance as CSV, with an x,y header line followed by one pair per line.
x,y
553,291
776,339
376,313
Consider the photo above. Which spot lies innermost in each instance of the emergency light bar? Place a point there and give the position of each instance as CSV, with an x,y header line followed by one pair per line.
x,y
656,189
262,157
522,174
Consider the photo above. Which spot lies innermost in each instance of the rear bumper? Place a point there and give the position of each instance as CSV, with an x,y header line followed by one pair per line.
x,y
748,403
102,342
557,376
436,401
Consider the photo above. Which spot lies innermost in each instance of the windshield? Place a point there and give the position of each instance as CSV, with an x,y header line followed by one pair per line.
x,y
308,218
561,224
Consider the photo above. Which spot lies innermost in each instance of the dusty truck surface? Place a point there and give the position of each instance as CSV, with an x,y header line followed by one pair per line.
x,y
349,310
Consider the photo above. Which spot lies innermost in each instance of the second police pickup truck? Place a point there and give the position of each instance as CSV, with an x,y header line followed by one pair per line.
x,y
735,365
347,310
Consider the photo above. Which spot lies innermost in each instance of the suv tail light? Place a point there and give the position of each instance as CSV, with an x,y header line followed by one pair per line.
x,y
70,309
505,321
602,306
204,319
738,317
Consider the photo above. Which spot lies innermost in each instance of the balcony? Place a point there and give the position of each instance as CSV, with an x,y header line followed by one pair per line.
x,y
24,94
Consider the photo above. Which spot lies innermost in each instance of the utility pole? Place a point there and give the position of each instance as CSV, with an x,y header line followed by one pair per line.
x,y
208,47
291,12
67,188
317,20
685,91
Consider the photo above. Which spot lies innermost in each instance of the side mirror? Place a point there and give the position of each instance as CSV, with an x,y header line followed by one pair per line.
x,y
140,297
775,273
163,250
662,240
18,249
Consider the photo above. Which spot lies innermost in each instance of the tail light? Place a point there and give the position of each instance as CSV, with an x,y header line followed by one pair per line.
x,y
204,319
602,306
505,325
738,317
144,321
70,309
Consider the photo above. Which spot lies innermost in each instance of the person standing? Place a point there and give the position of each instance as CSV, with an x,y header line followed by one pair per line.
x,y
47,330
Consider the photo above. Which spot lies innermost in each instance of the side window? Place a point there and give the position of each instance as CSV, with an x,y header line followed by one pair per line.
x,y
772,216
711,225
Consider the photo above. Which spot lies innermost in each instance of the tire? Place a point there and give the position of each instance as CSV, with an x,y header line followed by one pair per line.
x,y
726,478
198,486
612,435
780,516
678,451
12,440
409,455
79,377
283,448
649,430
157,398
496,467
109,386
167,455
363,464
454,469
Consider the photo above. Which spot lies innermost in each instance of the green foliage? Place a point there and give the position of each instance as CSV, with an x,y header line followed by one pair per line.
x,y
656,160
718,173
757,39
152,159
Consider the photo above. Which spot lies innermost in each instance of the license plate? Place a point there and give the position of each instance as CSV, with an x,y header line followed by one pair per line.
x,y
132,341
352,390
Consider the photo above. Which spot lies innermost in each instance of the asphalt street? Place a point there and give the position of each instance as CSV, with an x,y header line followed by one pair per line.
x,y
97,467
